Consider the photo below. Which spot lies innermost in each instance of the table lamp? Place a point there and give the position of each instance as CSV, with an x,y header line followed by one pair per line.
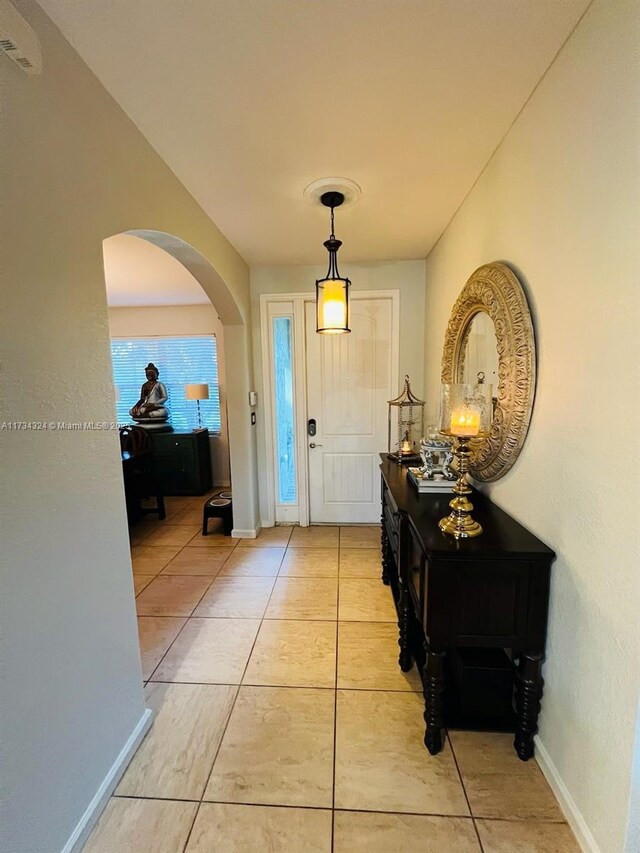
x,y
465,414
197,391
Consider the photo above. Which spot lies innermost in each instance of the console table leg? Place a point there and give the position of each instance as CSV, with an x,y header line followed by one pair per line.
x,y
404,660
529,684
434,700
386,557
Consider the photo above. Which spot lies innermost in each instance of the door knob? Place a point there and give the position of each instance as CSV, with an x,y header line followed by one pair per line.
x,y
312,445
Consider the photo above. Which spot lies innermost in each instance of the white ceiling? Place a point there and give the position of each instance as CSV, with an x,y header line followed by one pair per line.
x,y
250,100
139,273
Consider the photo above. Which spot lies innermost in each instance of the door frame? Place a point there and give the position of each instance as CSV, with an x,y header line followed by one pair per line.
x,y
300,388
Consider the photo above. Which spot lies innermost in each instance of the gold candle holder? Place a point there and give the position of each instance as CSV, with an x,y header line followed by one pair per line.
x,y
465,414
459,523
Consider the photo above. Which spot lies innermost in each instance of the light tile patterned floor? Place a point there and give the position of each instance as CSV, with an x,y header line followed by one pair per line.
x,y
282,720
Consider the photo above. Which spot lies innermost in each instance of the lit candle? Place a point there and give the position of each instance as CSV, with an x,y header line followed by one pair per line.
x,y
406,446
465,422
334,306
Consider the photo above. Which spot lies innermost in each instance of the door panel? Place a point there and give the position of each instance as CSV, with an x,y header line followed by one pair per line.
x,y
349,380
344,368
348,477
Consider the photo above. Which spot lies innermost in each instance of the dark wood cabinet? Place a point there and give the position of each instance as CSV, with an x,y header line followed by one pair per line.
x,y
182,462
140,484
489,594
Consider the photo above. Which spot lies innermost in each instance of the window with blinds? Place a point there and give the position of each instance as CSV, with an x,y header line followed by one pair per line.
x,y
181,361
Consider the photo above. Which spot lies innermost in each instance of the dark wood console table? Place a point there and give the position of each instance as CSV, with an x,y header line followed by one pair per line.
x,y
488,593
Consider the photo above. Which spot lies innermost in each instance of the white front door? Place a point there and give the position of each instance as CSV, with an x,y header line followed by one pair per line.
x,y
350,378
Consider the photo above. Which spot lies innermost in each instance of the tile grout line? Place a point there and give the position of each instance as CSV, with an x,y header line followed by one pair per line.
x,y
517,821
335,688
276,577
242,684
268,618
145,683
187,619
177,554
169,647
235,698
294,686
335,705
224,731
464,790
193,823
470,816
446,816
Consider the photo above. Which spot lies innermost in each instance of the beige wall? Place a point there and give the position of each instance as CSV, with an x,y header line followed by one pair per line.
x,y
405,276
559,201
183,320
75,171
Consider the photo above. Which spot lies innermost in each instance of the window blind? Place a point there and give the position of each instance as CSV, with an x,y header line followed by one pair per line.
x,y
181,361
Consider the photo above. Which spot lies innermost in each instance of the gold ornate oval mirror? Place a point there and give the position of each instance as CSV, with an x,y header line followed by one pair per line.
x,y
490,333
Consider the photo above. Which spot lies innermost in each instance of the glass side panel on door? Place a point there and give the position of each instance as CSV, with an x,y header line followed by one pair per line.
x,y
284,411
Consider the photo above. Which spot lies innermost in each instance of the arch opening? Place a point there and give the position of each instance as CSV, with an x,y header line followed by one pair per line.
x,y
238,369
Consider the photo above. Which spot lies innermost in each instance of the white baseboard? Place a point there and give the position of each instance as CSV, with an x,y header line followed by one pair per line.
x,y
569,808
101,797
238,533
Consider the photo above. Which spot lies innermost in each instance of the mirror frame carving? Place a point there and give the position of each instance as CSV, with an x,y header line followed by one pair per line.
x,y
495,289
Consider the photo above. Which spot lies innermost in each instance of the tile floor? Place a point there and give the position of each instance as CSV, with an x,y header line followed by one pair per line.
x,y
282,721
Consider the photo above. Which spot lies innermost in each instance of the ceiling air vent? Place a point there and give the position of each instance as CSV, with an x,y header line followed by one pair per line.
x,y
18,41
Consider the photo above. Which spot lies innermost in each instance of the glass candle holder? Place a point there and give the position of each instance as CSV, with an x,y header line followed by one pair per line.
x,y
465,413
466,410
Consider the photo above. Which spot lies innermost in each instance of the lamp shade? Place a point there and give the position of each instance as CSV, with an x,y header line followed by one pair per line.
x,y
196,391
332,306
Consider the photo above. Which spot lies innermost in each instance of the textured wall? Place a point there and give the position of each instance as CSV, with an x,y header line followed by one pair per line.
x,y
560,202
74,171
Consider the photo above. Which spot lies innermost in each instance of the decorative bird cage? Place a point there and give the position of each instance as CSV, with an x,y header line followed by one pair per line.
x,y
406,425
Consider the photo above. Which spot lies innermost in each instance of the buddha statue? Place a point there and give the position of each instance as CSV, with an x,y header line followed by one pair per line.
x,y
149,411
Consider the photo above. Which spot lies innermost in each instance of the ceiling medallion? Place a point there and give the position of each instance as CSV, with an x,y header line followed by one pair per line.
x,y
351,191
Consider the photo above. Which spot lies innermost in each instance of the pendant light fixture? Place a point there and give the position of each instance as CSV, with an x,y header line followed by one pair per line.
x,y
332,291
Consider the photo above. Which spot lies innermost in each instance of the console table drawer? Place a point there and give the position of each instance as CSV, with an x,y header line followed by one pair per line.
x,y
484,603
416,573
393,532
391,521
491,603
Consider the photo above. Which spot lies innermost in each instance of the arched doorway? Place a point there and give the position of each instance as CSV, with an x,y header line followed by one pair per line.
x,y
237,341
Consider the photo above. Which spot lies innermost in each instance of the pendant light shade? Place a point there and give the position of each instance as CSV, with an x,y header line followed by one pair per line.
x,y
332,291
